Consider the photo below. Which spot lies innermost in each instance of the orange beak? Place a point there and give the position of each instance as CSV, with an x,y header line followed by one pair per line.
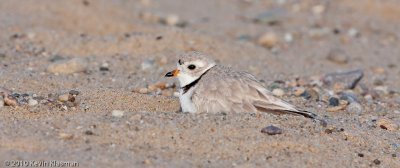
x,y
172,73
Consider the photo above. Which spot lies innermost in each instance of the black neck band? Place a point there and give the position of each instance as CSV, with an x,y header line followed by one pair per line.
x,y
190,85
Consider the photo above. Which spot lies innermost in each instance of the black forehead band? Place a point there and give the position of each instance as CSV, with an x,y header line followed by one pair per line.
x,y
180,62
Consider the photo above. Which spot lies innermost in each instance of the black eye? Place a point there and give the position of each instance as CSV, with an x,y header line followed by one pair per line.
x,y
191,67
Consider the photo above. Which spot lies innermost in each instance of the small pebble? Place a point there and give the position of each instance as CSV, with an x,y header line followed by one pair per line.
x,y
151,88
268,39
74,65
1,101
147,65
117,113
143,90
379,70
354,108
333,101
176,94
172,20
328,131
104,69
63,97
32,102
387,124
89,132
65,136
305,95
161,85
360,155
377,161
338,56
271,130
136,117
11,101
74,92
347,80
278,92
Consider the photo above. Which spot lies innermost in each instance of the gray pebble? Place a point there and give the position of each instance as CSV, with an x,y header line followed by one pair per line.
x,y
354,108
348,79
32,102
74,92
271,130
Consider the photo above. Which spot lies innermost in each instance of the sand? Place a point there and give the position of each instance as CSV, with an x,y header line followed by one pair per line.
x,y
137,42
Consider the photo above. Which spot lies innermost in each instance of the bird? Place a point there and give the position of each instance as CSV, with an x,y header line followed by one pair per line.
x,y
207,87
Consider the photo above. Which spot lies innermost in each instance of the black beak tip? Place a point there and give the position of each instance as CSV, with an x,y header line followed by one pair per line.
x,y
169,74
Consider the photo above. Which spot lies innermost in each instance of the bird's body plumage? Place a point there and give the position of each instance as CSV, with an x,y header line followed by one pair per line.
x,y
218,88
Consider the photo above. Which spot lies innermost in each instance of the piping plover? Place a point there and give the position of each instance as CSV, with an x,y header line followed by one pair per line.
x,y
212,88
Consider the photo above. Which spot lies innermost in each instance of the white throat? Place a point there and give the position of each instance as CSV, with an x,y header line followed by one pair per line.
x,y
185,79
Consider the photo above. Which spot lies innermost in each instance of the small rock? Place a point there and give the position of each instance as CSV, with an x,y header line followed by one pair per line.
x,y
338,56
268,39
352,32
328,131
161,85
172,19
89,132
117,113
347,79
65,136
74,65
288,37
136,117
151,88
74,92
32,102
143,90
306,95
271,130
354,108
272,17
377,161
1,101
333,101
278,92
56,58
348,97
379,70
387,124
11,101
335,108
63,97
360,155
104,69
147,65
176,94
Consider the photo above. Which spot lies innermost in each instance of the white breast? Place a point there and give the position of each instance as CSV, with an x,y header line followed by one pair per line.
x,y
186,101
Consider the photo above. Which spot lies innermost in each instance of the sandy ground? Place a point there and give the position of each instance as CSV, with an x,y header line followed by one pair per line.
x,y
126,47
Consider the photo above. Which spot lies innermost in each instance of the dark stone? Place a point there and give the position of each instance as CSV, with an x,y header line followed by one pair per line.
x,y
336,31
349,79
104,69
348,97
89,132
271,130
328,131
272,17
377,161
56,58
159,37
74,92
333,101
360,155
305,95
